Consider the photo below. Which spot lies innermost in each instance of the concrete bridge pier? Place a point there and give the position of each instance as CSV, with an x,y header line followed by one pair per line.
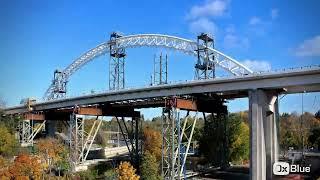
x,y
263,116
51,128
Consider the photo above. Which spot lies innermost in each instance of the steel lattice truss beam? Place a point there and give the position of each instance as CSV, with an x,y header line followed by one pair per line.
x,y
28,131
170,120
76,138
151,40
81,141
24,129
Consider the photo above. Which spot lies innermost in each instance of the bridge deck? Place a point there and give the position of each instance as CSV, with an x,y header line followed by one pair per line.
x,y
295,81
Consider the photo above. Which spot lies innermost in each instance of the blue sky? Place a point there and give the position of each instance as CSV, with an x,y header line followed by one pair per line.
x,y
37,37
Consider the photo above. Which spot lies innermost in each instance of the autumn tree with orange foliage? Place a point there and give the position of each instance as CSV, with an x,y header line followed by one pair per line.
x,y
152,142
127,172
25,167
51,150
4,167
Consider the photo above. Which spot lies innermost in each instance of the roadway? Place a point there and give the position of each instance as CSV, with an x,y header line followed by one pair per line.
x,y
290,81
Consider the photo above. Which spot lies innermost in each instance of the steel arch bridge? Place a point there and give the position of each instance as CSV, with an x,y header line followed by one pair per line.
x,y
150,40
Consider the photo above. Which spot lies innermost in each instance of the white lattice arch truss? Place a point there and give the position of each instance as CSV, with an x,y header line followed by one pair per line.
x,y
153,40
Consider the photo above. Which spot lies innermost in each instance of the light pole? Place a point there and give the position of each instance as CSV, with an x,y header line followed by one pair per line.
x,y
301,125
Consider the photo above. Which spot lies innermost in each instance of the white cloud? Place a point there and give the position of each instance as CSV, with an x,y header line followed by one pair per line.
x,y
234,41
255,20
203,25
309,47
211,8
274,13
256,65
230,29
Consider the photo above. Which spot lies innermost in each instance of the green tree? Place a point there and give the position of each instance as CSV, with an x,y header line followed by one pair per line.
x,y
213,141
295,130
239,143
149,167
289,134
111,174
8,143
89,174
314,137
11,122
225,140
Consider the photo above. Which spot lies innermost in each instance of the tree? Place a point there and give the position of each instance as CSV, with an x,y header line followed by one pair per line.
x,y
239,143
4,164
127,172
149,167
152,142
295,130
221,143
289,134
53,152
110,174
8,143
213,141
314,137
89,174
10,122
26,167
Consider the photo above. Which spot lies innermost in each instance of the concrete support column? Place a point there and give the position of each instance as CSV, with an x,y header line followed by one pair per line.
x,y
51,127
257,140
271,135
263,116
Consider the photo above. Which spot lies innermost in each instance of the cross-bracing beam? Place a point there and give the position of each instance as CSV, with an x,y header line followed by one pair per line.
x,y
187,132
130,147
90,138
133,142
81,141
177,138
28,129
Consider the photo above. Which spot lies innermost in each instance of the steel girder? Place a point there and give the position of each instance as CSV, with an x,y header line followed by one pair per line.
x,y
151,40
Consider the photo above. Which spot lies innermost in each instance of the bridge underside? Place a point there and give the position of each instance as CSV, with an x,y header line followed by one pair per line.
x,y
74,118
263,120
